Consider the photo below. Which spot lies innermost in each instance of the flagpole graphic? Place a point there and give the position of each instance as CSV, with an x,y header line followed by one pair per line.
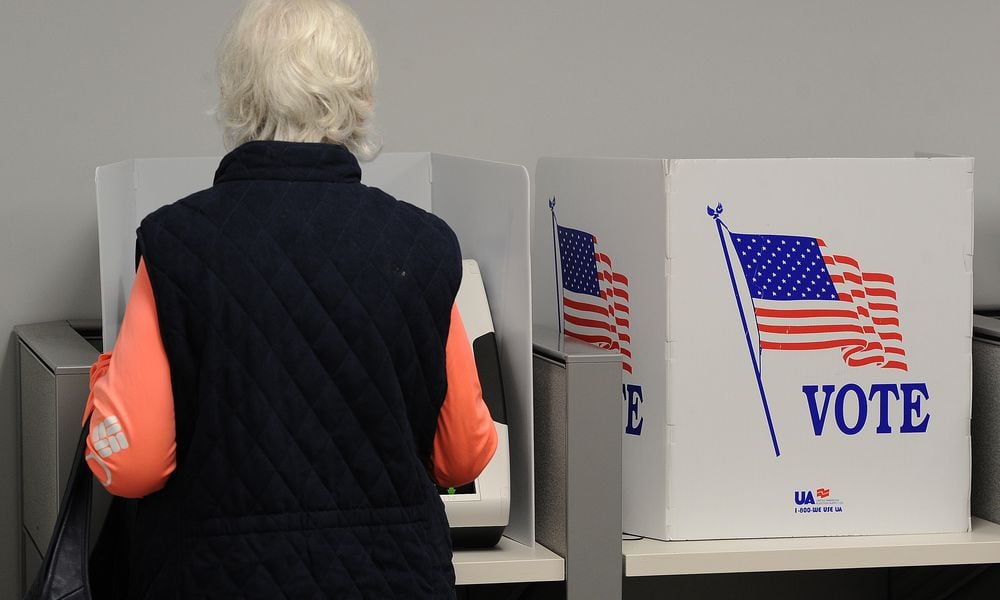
x,y
555,260
714,213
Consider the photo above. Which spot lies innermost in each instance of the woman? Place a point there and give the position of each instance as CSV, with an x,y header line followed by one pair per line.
x,y
291,372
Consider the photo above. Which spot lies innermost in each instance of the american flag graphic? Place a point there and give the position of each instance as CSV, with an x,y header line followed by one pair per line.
x,y
595,297
806,297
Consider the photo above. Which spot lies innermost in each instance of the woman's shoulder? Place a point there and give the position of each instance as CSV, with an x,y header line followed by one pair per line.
x,y
180,205
412,215
210,206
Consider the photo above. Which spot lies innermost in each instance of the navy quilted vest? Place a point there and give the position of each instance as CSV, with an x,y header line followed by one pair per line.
x,y
305,317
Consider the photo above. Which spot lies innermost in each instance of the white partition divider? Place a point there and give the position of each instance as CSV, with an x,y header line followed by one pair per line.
x,y
486,203
488,206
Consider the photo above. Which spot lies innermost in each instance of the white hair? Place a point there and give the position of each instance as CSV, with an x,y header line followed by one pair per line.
x,y
298,71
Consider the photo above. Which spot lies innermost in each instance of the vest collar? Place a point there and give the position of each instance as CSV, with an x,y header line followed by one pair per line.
x,y
289,161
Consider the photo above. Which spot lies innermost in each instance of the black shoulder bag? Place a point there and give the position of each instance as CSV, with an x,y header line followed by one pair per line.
x,y
63,574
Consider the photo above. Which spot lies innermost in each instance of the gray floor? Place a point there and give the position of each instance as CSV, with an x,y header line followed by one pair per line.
x,y
963,582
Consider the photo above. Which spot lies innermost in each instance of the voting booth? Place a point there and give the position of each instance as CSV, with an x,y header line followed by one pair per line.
x,y
487,205
796,336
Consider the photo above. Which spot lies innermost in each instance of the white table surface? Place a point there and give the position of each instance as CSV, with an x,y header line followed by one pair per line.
x,y
508,562
653,557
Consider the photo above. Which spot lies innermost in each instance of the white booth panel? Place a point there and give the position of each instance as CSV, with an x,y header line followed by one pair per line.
x,y
126,192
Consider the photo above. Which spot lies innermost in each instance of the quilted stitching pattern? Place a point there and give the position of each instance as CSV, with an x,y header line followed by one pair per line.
x,y
305,318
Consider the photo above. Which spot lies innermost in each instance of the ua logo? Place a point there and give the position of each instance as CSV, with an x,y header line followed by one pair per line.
x,y
107,439
804,498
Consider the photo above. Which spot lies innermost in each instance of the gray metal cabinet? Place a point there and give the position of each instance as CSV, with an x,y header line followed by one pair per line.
x,y
54,361
578,468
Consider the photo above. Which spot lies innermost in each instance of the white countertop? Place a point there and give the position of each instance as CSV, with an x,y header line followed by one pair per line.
x,y
508,562
653,557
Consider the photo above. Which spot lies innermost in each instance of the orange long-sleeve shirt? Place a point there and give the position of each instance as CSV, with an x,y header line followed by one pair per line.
x,y
132,448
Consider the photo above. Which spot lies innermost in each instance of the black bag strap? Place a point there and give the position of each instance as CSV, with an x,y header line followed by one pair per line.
x,y
63,574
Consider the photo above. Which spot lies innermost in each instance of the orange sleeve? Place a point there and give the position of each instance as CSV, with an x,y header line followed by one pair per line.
x,y
466,438
131,449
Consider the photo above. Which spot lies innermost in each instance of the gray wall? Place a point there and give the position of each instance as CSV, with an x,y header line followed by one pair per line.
x,y
83,84
699,78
